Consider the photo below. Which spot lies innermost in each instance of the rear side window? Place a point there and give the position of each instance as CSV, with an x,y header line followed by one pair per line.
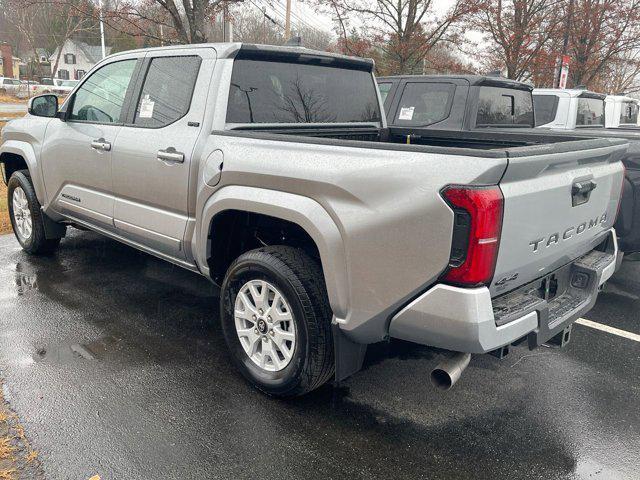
x,y
167,90
282,92
590,112
424,103
629,113
504,107
546,107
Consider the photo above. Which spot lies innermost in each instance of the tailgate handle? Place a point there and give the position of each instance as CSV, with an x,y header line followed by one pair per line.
x,y
580,192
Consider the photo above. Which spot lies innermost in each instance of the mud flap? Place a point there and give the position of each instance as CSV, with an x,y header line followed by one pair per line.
x,y
52,229
349,355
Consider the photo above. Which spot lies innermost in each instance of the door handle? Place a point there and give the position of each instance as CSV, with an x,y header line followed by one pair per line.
x,y
101,144
170,155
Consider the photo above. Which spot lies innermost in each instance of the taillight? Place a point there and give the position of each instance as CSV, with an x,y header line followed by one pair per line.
x,y
476,233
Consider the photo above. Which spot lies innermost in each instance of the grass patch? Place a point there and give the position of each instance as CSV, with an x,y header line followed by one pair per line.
x,y
12,99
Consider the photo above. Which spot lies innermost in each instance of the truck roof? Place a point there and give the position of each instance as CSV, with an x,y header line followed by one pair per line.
x,y
569,92
480,80
621,98
272,52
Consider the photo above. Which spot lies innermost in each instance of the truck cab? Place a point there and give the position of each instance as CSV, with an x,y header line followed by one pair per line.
x,y
569,109
456,102
621,111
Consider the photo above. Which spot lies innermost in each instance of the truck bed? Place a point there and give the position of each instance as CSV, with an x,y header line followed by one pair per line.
x,y
492,141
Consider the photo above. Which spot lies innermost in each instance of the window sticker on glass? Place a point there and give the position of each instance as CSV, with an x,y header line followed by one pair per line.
x,y
406,113
146,107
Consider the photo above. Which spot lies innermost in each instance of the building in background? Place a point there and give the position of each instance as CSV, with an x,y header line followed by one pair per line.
x,y
9,64
76,59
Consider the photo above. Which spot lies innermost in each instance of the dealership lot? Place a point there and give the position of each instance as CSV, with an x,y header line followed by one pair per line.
x,y
115,365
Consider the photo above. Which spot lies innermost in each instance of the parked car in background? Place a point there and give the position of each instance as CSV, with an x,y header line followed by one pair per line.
x,y
325,230
621,111
64,87
10,86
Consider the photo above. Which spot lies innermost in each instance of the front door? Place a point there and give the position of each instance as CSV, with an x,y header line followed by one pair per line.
x,y
77,153
152,154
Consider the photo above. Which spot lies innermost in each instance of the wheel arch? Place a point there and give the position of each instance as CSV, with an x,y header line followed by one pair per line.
x,y
303,212
16,155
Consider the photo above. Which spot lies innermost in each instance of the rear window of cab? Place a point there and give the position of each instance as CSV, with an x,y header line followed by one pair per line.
x,y
265,91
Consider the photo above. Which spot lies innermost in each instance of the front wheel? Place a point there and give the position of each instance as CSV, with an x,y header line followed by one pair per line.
x,y
26,217
276,320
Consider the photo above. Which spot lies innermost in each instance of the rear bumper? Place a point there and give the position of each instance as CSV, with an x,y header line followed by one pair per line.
x,y
469,320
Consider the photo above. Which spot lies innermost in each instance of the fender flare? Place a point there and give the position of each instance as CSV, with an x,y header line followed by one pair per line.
x,y
302,211
26,151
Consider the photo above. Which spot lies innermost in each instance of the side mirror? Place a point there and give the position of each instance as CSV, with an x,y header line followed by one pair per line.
x,y
43,106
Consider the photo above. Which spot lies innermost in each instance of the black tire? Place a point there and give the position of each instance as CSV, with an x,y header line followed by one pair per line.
x,y
300,280
37,243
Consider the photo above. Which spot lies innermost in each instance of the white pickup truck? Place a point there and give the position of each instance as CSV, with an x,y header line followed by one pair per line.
x,y
621,111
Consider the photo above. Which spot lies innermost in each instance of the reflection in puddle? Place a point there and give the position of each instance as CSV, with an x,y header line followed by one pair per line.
x,y
60,354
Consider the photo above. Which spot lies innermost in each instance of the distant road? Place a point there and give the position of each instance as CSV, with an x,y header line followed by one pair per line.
x,y
12,108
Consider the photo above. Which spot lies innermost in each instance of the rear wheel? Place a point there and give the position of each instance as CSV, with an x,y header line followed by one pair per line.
x,y
26,217
276,320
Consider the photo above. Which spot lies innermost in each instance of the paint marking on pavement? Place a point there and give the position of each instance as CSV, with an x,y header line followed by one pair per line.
x,y
606,328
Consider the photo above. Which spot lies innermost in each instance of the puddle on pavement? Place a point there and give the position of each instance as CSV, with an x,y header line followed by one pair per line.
x,y
96,350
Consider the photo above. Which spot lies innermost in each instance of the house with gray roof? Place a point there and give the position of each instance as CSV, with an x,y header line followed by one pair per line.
x,y
76,59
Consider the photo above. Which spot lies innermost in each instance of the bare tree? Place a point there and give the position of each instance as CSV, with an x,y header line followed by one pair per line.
x,y
517,32
50,23
602,31
404,30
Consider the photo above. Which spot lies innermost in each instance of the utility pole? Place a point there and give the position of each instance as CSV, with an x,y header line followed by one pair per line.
x,y
227,27
287,22
104,49
264,25
565,41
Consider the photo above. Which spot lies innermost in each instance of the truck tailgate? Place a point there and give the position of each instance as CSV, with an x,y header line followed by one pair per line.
x,y
559,199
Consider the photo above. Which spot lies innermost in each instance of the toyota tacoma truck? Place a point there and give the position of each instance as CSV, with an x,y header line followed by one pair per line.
x,y
271,171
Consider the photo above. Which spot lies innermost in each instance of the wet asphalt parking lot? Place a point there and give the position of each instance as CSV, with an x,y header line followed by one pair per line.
x,y
116,366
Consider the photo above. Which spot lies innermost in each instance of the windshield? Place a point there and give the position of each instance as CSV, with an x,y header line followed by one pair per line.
x,y
281,92
69,83
590,112
629,113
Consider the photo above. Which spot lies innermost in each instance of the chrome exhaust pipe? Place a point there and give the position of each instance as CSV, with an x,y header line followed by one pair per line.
x,y
448,372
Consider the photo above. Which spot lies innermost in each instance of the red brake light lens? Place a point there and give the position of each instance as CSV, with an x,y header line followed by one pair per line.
x,y
477,226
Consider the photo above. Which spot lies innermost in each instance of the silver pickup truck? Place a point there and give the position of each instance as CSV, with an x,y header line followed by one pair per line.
x,y
271,171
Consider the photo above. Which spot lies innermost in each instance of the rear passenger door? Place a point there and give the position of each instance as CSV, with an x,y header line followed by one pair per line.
x,y
152,156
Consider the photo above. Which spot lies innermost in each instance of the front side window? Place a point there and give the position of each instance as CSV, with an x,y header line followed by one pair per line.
x,y
629,113
504,107
424,103
590,112
282,92
101,97
167,89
